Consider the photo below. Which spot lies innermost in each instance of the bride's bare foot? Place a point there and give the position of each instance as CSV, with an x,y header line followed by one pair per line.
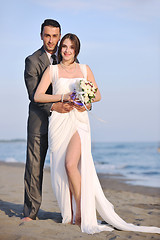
x,y
26,219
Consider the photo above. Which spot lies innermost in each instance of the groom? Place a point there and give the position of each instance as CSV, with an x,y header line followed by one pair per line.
x,y
37,129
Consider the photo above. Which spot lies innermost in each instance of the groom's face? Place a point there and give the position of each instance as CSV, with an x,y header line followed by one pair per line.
x,y
50,37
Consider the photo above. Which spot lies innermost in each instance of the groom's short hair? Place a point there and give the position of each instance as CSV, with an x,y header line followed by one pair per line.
x,y
50,22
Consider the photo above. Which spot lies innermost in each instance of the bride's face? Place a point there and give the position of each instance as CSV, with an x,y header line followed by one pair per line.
x,y
67,50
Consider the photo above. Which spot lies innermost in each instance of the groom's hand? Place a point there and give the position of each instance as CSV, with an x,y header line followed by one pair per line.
x,y
62,107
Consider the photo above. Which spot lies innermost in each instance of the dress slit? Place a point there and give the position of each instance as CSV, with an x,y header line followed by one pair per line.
x,y
72,199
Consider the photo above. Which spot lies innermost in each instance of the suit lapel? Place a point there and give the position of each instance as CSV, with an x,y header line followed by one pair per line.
x,y
44,58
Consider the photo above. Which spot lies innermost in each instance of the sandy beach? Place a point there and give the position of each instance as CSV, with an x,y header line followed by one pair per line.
x,y
135,204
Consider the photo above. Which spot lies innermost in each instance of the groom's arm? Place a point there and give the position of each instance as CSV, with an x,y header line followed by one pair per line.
x,y
32,76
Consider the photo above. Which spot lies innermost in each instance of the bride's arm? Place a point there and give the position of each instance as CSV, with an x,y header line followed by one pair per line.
x,y
90,78
40,94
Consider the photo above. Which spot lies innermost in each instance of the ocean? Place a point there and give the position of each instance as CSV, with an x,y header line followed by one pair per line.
x,y
139,162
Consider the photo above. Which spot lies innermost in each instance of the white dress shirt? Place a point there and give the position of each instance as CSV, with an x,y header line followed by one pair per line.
x,y
50,58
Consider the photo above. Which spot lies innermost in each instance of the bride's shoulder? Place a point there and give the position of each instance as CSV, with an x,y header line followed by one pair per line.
x,y
53,66
52,69
83,65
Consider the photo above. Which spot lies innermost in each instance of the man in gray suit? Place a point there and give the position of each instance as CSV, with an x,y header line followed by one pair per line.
x,y
37,129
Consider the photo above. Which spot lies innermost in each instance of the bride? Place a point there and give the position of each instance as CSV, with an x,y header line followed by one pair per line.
x,y
74,179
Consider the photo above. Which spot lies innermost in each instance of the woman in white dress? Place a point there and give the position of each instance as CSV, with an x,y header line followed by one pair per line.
x,y
74,179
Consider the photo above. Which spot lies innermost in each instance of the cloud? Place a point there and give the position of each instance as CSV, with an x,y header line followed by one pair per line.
x,y
137,9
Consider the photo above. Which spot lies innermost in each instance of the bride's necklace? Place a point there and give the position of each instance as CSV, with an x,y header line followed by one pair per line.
x,y
67,70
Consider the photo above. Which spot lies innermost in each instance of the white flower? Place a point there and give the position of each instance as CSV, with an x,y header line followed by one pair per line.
x,y
89,87
90,92
86,99
82,84
91,95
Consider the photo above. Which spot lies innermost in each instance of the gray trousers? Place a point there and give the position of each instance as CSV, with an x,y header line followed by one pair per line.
x,y
36,152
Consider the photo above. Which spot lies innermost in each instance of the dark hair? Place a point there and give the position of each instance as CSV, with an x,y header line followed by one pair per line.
x,y
50,22
75,41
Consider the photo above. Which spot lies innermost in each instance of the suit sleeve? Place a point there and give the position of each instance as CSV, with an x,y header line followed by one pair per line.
x,y
32,76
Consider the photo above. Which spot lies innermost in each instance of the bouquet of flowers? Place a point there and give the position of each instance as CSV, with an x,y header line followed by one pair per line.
x,y
85,92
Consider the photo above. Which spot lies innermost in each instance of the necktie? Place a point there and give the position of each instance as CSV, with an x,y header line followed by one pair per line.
x,y
54,59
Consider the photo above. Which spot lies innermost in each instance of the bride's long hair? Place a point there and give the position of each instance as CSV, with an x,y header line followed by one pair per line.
x,y
75,41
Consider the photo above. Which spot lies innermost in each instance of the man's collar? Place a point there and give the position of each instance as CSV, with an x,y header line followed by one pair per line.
x,y
49,54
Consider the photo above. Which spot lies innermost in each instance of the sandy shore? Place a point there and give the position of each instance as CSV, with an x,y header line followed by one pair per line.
x,y
135,204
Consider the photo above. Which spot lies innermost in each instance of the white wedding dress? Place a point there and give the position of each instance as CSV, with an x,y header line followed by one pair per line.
x,y
62,126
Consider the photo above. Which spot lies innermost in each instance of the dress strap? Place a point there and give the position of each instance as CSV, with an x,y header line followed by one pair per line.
x,y
53,73
84,70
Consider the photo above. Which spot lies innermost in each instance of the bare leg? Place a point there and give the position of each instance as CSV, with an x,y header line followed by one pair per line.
x,y
72,159
71,205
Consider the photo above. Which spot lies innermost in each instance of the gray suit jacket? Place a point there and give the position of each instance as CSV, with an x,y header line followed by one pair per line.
x,y
35,65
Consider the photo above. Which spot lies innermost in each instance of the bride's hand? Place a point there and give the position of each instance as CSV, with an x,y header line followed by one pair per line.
x,y
67,97
82,108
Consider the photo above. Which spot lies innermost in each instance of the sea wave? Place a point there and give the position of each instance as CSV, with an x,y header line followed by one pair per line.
x,y
10,160
132,160
151,173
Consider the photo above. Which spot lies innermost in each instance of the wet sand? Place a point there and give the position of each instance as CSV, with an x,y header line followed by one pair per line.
x,y
135,204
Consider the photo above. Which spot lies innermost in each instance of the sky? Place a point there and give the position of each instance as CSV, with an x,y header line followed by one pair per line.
x,y
120,41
